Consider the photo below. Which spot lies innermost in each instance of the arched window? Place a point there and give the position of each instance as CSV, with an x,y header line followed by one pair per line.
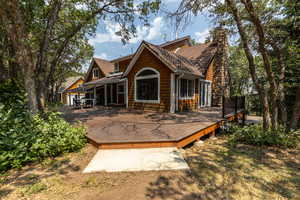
x,y
147,87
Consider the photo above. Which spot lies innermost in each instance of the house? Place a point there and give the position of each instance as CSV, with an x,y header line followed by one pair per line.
x,y
173,76
67,92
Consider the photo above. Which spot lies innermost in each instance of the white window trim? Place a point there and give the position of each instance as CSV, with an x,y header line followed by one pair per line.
x,y
209,93
94,73
179,86
172,93
146,77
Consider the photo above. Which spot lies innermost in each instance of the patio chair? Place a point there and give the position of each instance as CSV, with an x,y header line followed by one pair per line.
x,y
77,103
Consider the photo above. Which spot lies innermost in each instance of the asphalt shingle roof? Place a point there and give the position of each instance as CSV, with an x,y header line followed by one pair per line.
x,y
176,61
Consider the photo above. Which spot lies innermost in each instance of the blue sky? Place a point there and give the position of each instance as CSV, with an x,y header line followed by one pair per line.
x,y
109,46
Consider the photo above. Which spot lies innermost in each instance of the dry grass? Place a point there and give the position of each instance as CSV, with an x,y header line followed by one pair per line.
x,y
218,172
245,172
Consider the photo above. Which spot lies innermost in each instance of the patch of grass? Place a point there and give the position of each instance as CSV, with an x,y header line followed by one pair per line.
x,y
35,188
3,178
244,171
91,181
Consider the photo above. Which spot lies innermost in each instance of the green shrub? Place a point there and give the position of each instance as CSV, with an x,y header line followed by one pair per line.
x,y
25,138
255,135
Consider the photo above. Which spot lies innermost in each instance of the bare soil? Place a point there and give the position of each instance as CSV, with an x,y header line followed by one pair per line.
x,y
218,171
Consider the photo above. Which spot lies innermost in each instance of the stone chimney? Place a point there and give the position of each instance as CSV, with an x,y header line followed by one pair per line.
x,y
220,84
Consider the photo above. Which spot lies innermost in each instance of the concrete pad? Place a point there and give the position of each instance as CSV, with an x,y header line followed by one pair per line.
x,y
121,160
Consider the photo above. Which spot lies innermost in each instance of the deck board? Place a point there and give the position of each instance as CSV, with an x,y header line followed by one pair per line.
x,y
121,128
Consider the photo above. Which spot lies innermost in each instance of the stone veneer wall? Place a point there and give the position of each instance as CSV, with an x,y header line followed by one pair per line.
x,y
220,84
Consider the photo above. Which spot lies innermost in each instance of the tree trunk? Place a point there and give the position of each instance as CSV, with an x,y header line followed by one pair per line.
x,y
296,111
267,66
11,15
252,67
281,92
3,72
41,97
42,58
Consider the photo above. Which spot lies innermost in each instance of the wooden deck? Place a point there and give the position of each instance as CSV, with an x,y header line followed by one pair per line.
x,y
117,128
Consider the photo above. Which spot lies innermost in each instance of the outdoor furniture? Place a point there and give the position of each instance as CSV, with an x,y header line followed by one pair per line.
x,y
84,103
88,102
77,103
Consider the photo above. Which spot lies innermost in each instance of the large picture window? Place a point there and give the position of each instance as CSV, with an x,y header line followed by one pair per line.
x,y
147,86
187,89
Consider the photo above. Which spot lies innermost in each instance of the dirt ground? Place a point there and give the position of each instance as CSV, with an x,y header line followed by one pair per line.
x,y
218,171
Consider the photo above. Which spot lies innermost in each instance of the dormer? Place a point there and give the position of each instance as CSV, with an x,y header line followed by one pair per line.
x,y
99,68
116,67
96,73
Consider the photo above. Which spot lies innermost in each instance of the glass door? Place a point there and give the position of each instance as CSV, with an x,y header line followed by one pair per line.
x,y
205,93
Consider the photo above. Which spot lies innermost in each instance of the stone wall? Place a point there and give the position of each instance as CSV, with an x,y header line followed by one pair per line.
x,y
220,84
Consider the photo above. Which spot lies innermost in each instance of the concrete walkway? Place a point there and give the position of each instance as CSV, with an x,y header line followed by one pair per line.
x,y
150,159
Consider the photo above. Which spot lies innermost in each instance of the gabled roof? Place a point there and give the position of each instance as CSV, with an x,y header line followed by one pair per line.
x,y
163,45
177,62
104,65
201,54
168,43
69,82
174,62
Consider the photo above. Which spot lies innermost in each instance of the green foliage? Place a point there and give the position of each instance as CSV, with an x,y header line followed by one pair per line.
x,y
25,138
255,135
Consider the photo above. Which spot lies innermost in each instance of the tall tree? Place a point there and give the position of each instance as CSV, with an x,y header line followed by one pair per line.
x,y
43,32
254,22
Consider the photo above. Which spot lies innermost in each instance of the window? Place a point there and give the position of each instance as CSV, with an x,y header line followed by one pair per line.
x,y
205,93
187,89
117,67
147,86
96,73
121,88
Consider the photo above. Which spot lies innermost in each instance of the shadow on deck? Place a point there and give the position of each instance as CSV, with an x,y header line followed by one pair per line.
x,y
112,128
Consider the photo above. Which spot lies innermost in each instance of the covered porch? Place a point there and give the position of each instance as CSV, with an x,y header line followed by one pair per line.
x,y
107,91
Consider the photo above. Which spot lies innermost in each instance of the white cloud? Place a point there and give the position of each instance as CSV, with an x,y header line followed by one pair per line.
x,y
102,55
155,30
201,35
143,32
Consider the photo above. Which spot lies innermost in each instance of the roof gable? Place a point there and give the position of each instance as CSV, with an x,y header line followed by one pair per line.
x,y
163,45
137,55
69,83
105,66
174,62
201,55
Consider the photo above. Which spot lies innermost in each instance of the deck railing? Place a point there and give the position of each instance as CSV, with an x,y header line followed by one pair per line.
x,y
233,105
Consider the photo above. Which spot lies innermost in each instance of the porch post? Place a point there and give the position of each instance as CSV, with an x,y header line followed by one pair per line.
x,y
111,93
105,95
177,93
95,97
70,101
117,85
126,91
172,95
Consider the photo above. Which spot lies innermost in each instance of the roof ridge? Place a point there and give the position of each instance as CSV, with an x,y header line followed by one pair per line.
x,y
160,45
181,60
